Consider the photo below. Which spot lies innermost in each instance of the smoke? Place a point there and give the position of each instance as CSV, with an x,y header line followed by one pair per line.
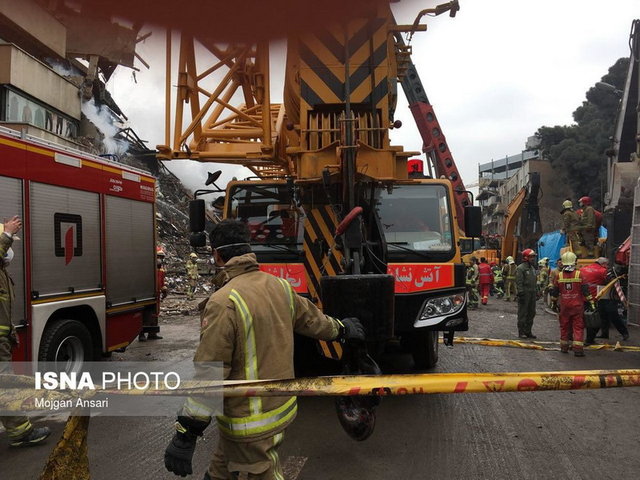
x,y
103,120
61,68
193,174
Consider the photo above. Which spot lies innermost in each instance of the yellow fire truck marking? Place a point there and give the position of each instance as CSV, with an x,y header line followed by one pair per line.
x,y
116,347
67,297
130,306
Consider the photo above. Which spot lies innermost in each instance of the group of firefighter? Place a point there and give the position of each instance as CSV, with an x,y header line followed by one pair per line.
x,y
573,292
581,227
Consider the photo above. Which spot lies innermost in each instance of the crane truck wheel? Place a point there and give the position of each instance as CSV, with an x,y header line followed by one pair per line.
x,y
424,348
67,343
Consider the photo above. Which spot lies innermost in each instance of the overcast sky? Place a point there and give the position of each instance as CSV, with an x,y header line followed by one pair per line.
x,y
495,73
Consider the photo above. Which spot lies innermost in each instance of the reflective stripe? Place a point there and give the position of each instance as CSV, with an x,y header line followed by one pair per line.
x,y
250,351
197,410
20,430
575,279
288,289
4,330
275,459
256,424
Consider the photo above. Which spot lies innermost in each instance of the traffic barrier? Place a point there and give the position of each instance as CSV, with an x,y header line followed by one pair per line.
x,y
69,457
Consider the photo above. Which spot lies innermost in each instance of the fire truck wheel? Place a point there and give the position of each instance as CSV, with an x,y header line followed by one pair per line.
x,y
68,342
424,348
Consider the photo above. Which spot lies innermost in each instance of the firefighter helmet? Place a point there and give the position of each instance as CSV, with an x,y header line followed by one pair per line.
x,y
528,253
585,201
568,259
193,255
567,204
510,260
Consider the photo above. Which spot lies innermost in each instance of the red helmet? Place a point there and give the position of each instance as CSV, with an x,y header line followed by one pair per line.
x,y
527,253
585,200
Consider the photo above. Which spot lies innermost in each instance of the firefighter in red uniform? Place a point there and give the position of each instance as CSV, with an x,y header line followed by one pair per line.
x,y
486,279
572,290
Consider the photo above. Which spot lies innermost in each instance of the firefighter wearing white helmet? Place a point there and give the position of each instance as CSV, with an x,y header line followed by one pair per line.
x,y
19,429
526,287
571,224
509,275
573,292
543,274
192,275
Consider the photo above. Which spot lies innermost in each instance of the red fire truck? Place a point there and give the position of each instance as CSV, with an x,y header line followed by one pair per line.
x,y
84,267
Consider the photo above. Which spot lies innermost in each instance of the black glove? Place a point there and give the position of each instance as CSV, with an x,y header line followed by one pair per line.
x,y
352,330
179,453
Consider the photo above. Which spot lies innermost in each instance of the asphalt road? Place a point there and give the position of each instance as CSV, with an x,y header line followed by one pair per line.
x,y
528,435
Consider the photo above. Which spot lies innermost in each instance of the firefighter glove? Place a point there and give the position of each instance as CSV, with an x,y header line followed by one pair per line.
x,y
351,330
179,453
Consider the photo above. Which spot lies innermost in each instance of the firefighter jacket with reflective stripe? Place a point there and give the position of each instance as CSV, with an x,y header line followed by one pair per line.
x,y
6,287
509,271
497,274
472,274
594,275
485,274
192,269
572,290
248,325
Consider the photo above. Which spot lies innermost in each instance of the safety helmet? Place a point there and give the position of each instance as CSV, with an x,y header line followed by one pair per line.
x,y
193,255
541,262
568,259
585,201
160,251
567,204
528,253
510,260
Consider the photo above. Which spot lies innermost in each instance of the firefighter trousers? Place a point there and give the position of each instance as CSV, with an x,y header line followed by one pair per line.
x,y
510,289
526,312
259,459
484,292
17,426
571,328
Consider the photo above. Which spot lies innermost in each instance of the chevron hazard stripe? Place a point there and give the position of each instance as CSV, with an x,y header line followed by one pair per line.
x,y
321,258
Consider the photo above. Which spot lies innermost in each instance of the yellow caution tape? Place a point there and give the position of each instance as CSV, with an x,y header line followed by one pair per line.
x,y
539,345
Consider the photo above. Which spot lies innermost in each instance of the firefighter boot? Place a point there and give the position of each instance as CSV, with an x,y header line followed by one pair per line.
x,y
35,436
153,336
578,352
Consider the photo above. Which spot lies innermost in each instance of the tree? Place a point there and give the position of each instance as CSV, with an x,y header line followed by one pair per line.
x,y
577,152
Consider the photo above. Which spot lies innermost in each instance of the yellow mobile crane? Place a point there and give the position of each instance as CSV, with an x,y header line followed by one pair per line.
x,y
332,207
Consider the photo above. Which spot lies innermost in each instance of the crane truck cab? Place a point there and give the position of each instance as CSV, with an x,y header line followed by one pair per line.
x,y
409,232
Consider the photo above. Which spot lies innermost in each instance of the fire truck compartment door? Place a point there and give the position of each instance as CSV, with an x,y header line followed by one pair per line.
x,y
65,240
131,250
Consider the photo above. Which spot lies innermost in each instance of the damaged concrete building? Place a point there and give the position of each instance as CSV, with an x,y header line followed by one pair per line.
x,y
524,177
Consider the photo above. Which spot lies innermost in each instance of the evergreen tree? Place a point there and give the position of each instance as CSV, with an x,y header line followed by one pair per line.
x,y
577,152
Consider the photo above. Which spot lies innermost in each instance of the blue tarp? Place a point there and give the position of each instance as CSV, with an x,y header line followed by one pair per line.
x,y
550,244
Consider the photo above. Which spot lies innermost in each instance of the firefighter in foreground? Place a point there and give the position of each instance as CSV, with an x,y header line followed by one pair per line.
x,y
572,292
192,275
526,287
248,325
19,429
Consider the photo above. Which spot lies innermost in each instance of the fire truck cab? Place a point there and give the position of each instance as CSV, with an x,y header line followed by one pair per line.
x,y
84,266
